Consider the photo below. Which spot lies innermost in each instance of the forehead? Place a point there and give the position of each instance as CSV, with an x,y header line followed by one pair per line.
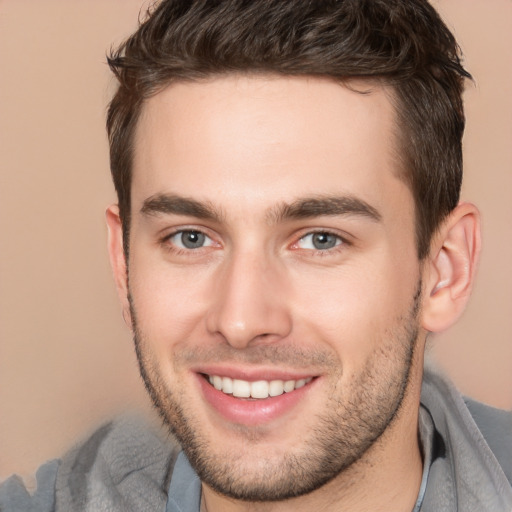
x,y
266,138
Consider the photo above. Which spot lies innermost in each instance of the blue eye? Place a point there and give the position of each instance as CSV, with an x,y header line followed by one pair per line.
x,y
320,241
190,239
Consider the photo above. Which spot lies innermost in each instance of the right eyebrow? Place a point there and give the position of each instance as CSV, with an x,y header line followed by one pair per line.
x,y
178,205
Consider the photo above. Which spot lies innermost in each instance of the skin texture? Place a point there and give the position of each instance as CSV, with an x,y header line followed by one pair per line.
x,y
250,169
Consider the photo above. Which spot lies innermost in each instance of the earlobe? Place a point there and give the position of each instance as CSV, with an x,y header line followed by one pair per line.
x,y
451,268
118,259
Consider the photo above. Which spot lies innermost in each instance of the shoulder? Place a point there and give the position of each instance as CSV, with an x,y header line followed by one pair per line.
x,y
124,465
14,496
496,428
483,431
472,467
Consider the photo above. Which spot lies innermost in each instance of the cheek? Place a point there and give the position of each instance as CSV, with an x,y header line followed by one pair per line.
x,y
169,303
356,309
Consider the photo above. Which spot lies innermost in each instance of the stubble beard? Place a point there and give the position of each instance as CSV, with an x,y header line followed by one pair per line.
x,y
352,422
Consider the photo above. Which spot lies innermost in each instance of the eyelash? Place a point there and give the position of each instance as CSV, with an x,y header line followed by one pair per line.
x,y
173,248
342,242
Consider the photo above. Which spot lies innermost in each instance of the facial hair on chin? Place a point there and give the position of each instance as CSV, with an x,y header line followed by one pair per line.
x,y
343,432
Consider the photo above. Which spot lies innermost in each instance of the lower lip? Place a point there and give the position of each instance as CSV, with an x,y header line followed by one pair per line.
x,y
252,411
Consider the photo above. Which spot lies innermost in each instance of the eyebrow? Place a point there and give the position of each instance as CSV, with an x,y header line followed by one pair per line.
x,y
319,206
303,208
177,205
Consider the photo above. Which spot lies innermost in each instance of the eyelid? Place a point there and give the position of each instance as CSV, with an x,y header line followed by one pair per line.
x,y
166,239
170,232
343,237
302,240
179,244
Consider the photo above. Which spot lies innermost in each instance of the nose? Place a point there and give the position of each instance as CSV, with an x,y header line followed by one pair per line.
x,y
250,302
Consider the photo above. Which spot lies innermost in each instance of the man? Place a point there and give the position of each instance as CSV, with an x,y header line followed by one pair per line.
x,y
288,232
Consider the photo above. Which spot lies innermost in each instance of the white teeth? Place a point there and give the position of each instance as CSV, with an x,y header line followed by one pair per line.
x,y
258,389
300,383
227,385
276,388
241,388
289,385
217,382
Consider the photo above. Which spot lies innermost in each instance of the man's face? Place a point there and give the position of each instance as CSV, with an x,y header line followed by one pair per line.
x,y
272,254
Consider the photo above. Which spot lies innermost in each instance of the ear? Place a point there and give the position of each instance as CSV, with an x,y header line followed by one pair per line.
x,y
118,259
450,268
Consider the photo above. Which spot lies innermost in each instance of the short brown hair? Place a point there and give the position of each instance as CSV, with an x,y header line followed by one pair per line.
x,y
402,43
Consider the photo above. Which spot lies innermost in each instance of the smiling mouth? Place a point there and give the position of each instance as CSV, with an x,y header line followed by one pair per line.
x,y
260,389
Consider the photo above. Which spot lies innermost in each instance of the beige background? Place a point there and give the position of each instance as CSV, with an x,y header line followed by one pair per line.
x,y
66,360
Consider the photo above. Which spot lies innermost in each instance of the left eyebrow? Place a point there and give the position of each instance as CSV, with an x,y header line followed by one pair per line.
x,y
319,206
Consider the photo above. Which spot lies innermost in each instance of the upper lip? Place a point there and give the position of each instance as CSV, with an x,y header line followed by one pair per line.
x,y
253,374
